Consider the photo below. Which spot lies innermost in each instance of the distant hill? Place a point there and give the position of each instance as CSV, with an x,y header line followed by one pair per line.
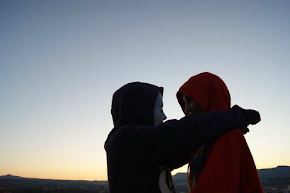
x,y
10,183
179,178
265,174
10,177
278,172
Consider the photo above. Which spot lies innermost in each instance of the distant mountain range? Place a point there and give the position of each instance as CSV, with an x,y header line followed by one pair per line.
x,y
10,183
10,179
278,172
265,174
277,178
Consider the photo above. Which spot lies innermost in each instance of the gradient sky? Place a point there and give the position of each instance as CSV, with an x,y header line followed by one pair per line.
x,y
61,61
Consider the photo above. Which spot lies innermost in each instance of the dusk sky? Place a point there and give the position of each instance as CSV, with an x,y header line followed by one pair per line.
x,y
62,60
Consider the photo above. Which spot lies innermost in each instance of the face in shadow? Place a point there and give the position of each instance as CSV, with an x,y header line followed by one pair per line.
x,y
159,115
191,106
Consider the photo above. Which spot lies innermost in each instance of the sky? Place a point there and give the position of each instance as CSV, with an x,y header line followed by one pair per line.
x,y
62,60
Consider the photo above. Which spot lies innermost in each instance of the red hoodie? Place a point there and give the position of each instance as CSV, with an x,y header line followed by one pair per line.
x,y
228,166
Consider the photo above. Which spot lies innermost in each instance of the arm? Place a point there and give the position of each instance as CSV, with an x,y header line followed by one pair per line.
x,y
179,137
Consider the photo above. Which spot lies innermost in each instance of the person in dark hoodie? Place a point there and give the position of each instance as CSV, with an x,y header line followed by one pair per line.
x,y
142,150
225,165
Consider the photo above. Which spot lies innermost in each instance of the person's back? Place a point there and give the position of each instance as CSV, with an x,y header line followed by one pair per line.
x,y
129,162
225,166
128,169
140,153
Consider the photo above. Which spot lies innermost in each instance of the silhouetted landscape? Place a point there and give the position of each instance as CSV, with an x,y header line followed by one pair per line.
x,y
274,180
13,184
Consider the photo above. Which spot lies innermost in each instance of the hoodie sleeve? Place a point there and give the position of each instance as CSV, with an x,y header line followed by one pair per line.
x,y
177,138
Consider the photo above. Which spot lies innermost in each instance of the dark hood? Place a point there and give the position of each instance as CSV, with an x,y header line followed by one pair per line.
x,y
134,103
208,90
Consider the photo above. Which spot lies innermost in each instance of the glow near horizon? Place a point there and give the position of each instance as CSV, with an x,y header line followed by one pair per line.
x,y
61,61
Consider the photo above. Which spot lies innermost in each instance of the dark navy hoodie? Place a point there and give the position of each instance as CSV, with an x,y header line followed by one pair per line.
x,y
140,155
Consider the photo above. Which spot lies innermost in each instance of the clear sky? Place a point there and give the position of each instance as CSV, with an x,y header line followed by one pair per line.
x,y
61,61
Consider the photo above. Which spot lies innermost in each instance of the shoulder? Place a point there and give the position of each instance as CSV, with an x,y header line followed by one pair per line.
x,y
232,140
232,136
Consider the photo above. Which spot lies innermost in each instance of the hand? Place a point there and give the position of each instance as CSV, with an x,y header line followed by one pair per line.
x,y
244,130
255,121
254,116
250,116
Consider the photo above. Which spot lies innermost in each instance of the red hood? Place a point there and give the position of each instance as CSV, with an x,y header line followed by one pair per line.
x,y
208,90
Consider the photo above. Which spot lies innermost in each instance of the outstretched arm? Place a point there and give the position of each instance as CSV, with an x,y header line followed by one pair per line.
x,y
178,137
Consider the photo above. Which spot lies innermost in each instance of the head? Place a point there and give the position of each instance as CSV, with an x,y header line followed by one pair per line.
x,y
203,92
190,106
135,103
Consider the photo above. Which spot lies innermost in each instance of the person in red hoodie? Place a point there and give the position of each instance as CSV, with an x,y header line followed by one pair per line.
x,y
225,165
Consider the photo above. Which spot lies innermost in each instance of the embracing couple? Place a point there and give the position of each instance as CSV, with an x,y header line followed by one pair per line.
x,y
142,149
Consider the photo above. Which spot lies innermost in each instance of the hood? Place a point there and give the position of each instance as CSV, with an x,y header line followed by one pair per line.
x,y
134,103
206,89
